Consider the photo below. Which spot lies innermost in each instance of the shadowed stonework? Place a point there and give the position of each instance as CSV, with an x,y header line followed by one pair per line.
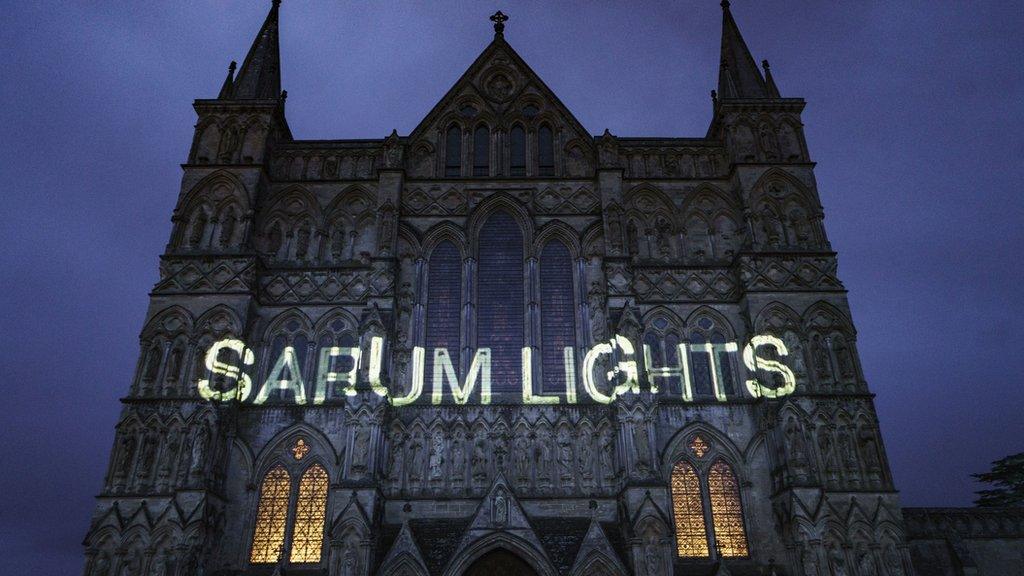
x,y
500,240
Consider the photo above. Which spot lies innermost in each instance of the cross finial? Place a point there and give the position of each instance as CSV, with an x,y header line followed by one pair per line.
x,y
499,20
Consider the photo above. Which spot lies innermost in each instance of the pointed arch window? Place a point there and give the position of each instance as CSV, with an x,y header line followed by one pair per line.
x,y
310,514
453,152
688,509
271,517
500,300
517,151
545,151
726,510
707,510
287,510
481,151
557,315
444,304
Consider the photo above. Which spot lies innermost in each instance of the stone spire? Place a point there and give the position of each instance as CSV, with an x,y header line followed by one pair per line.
x,y
738,76
769,82
260,76
229,83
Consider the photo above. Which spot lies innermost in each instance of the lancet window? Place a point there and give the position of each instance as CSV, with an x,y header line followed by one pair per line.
x,y
707,509
291,516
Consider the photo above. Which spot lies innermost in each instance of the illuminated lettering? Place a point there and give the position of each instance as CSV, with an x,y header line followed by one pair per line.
x,y
275,381
589,361
717,378
479,368
376,361
528,396
623,377
755,363
326,377
417,379
243,387
681,371
570,374
631,382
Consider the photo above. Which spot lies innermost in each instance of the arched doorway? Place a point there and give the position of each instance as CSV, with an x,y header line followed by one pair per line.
x,y
500,563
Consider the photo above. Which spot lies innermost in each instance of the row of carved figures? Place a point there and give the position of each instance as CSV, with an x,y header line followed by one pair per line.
x,y
182,560
840,456
543,459
860,559
157,460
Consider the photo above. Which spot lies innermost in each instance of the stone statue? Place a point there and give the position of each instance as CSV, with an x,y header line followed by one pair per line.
x,y
199,449
843,358
479,461
564,454
397,460
360,448
437,457
500,509
607,455
124,463
227,230
522,458
148,457
584,457
458,466
416,457
642,445
797,448
828,455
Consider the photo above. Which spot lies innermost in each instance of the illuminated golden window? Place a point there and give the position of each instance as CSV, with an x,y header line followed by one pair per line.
x,y
271,517
310,512
726,511
688,508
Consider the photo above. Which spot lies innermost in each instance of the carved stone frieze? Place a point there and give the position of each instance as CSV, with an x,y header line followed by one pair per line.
x,y
205,275
815,273
434,201
566,200
674,284
325,286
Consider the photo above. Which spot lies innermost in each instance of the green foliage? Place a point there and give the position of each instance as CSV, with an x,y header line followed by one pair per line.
x,y
1007,478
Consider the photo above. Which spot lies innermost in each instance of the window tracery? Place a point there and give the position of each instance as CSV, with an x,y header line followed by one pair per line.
x,y
706,506
688,509
481,151
310,514
545,151
453,152
271,517
726,510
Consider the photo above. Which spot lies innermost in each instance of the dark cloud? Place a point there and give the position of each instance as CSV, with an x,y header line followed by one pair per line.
x,y
914,114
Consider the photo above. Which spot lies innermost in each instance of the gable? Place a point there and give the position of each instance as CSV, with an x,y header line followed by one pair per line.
x,y
499,88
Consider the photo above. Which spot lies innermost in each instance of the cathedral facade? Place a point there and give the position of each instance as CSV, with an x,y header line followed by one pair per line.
x,y
498,345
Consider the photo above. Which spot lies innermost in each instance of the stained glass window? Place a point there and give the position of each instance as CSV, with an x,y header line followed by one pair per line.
x,y
688,509
310,512
453,152
444,304
300,449
500,322
481,151
726,510
546,151
558,317
271,517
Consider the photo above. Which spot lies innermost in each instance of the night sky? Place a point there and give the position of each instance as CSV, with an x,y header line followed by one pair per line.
x,y
914,115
